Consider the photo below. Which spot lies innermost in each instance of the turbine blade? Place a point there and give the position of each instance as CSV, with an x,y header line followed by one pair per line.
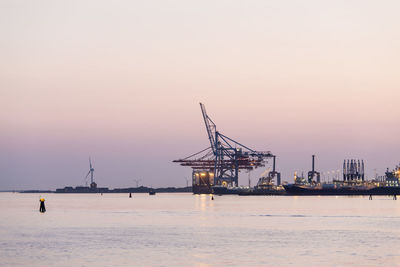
x,y
87,174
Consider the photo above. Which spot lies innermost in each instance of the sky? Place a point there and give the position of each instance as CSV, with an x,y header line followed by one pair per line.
x,y
121,82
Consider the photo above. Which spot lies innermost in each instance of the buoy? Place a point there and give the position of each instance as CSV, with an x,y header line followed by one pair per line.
x,y
212,197
370,197
130,195
42,207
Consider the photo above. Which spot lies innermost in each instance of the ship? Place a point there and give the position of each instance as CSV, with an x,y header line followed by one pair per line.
x,y
340,189
265,185
152,192
390,185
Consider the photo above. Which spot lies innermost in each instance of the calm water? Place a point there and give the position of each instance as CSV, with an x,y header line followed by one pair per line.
x,y
191,230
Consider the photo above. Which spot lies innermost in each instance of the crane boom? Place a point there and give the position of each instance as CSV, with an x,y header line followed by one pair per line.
x,y
210,127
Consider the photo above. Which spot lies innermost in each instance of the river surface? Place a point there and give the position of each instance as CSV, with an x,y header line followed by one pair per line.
x,y
192,230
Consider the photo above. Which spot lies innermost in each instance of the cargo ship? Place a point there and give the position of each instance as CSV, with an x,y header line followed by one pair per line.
x,y
350,185
265,185
340,189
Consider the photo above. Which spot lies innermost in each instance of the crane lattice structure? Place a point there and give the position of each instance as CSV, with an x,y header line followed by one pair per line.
x,y
225,157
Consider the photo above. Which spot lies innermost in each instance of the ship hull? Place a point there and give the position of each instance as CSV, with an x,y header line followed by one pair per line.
x,y
221,190
247,192
262,192
347,191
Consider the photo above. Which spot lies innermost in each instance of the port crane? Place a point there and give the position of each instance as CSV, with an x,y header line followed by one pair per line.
x,y
225,157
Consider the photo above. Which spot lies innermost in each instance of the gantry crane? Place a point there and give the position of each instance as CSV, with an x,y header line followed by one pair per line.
x,y
225,157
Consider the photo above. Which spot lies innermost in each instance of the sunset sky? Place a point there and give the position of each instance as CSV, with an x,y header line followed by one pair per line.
x,y
121,81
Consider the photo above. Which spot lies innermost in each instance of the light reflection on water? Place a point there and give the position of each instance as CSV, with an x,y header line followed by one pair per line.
x,y
193,230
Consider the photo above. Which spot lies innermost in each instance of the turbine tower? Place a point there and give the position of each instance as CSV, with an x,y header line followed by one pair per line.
x,y
91,171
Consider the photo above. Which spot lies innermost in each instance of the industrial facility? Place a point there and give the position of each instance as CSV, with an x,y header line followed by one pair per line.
x,y
353,171
313,175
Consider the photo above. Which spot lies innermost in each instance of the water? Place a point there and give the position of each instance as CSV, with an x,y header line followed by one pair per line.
x,y
191,230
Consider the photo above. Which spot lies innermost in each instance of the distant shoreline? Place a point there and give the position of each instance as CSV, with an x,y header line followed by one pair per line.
x,y
141,189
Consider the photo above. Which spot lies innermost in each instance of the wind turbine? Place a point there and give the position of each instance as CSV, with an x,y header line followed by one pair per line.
x,y
137,182
91,171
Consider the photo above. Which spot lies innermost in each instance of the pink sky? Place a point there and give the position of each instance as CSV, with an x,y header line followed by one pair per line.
x,y
122,81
